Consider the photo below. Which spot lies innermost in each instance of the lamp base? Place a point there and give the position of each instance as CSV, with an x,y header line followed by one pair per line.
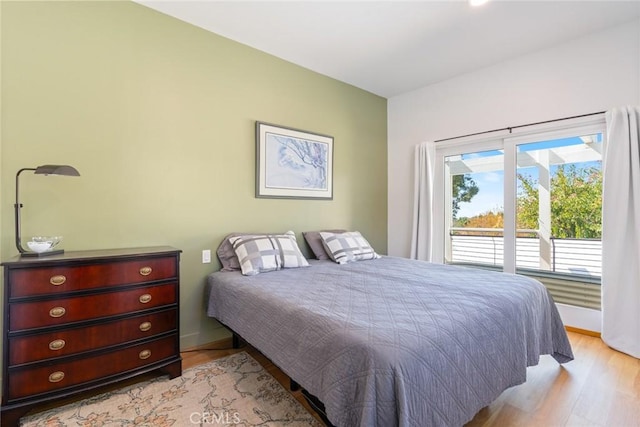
x,y
41,254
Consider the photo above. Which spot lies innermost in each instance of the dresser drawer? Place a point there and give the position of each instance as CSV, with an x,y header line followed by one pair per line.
x,y
28,315
24,382
64,342
50,280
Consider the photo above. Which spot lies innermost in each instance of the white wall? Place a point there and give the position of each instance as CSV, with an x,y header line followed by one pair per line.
x,y
589,74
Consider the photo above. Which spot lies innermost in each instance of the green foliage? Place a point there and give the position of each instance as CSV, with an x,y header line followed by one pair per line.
x,y
527,203
463,188
461,222
576,202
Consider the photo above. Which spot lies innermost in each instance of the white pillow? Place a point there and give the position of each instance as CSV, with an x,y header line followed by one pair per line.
x,y
347,247
268,252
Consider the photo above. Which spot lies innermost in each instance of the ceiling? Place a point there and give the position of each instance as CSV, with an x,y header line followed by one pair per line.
x,y
392,47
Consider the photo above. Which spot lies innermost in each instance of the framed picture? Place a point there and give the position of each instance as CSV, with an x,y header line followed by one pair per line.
x,y
292,163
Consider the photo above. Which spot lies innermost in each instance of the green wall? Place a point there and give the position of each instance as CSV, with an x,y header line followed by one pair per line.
x,y
158,116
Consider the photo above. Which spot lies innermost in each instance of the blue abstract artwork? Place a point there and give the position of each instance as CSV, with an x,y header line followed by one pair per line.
x,y
295,163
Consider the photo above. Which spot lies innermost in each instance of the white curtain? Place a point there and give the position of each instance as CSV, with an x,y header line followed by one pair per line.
x,y
621,231
421,237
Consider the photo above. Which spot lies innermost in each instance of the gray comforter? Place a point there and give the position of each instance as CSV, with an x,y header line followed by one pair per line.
x,y
394,342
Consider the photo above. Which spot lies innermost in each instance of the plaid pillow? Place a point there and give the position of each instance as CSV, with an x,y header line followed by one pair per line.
x,y
315,242
269,252
347,247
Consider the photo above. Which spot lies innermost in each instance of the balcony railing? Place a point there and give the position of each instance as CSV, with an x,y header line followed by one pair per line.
x,y
581,257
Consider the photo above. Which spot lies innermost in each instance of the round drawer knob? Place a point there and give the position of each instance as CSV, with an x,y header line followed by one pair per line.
x,y
57,312
144,354
56,377
145,326
145,298
57,344
145,271
57,280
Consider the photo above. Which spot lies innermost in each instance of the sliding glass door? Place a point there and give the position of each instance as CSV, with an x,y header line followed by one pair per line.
x,y
528,204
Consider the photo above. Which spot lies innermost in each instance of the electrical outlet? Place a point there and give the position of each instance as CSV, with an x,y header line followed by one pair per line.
x,y
206,256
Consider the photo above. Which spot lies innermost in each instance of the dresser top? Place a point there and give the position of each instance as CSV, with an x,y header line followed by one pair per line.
x,y
88,255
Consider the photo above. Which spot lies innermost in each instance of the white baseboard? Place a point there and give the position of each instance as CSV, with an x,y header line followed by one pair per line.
x,y
580,318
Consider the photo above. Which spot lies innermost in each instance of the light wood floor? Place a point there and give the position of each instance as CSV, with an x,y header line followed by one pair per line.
x,y
601,387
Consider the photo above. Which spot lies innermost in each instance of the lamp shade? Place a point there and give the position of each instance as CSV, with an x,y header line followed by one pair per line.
x,y
57,170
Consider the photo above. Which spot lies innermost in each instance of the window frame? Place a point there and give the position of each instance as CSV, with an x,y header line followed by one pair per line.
x,y
507,141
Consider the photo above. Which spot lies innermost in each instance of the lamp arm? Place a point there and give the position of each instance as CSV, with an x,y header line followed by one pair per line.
x,y
17,208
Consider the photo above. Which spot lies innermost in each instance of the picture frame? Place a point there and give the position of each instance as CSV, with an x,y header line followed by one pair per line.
x,y
293,163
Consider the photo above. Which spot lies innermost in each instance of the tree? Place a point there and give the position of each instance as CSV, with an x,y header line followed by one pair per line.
x,y
463,188
576,202
488,219
527,203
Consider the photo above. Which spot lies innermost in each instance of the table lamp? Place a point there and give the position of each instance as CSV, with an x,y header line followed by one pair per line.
x,y
40,170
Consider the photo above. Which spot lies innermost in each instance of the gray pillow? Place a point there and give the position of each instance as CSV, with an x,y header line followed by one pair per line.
x,y
315,242
261,253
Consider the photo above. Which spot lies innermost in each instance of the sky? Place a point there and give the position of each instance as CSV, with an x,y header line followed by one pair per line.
x,y
489,197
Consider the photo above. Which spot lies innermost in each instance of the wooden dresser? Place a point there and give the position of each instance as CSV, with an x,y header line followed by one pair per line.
x,y
84,319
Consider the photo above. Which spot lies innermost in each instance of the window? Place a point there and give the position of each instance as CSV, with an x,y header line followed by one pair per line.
x,y
559,205
527,203
475,216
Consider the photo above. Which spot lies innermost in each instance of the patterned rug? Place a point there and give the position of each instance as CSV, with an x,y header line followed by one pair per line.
x,y
232,391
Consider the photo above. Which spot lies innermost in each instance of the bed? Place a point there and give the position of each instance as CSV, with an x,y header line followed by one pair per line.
x,y
392,341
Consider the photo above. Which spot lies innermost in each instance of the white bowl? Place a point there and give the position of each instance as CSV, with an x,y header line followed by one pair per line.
x,y
52,240
40,247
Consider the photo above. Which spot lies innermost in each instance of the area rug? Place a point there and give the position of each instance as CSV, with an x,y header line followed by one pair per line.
x,y
232,391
